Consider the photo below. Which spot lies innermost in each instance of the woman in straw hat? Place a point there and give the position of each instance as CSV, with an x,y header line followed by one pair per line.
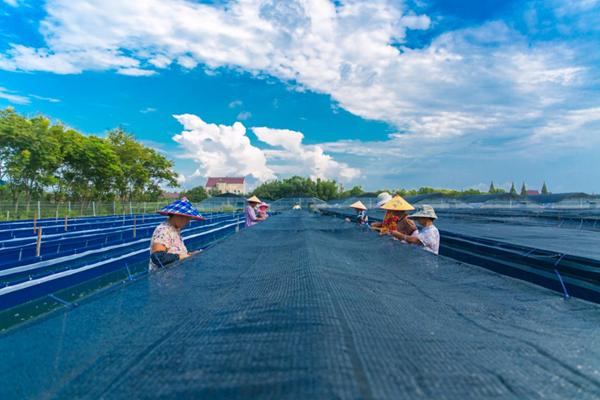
x,y
361,217
166,245
250,211
396,217
428,236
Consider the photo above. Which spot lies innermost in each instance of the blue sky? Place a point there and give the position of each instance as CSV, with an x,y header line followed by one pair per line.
x,y
381,93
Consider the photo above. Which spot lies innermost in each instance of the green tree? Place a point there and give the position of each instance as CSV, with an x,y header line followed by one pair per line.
x,y
297,186
30,154
355,191
196,194
513,191
545,189
523,190
492,188
144,169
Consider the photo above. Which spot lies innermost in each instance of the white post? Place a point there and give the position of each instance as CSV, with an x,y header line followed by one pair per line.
x,y
94,208
38,245
114,208
69,207
130,209
39,210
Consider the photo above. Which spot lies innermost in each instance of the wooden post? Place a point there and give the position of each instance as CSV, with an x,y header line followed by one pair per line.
x,y
39,210
8,215
94,208
56,211
38,245
66,222
34,220
134,225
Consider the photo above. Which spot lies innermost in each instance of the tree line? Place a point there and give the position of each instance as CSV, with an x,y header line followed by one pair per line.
x,y
329,190
44,160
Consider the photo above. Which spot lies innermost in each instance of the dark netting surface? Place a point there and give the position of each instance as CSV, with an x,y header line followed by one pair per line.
x,y
561,240
303,307
577,242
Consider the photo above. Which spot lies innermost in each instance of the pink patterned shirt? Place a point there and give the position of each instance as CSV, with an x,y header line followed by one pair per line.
x,y
170,237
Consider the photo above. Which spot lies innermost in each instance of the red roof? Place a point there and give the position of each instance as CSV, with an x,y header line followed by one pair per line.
x,y
212,182
532,192
171,195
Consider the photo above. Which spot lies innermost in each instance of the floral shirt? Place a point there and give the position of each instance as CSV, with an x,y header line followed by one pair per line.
x,y
392,222
170,237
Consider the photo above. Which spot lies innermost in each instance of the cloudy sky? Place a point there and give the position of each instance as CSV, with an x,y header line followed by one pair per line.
x,y
379,93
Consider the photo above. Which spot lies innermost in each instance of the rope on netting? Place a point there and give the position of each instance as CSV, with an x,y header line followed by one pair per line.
x,y
560,279
63,302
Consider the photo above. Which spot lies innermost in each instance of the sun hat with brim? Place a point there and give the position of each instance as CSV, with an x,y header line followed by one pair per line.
x,y
253,199
397,203
263,205
358,205
181,207
425,211
382,198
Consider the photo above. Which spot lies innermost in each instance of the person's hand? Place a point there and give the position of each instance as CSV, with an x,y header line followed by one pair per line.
x,y
191,253
183,256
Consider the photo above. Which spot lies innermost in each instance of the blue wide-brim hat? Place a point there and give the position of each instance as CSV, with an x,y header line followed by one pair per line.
x,y
181,207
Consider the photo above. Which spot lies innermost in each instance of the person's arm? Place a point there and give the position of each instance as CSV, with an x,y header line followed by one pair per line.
x,y
161,248
253,216
406,238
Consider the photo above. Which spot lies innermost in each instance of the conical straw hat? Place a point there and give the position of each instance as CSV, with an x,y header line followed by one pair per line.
x,y
358,205
181,207
397,203
253,199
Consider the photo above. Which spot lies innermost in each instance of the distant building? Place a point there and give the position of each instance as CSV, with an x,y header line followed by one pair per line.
x,y
171,195
533,192
226,185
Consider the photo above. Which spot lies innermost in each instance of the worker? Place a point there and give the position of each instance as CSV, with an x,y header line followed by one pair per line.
x,y
250,211
166,245
262,210
428,235
361,217
382,198
396,217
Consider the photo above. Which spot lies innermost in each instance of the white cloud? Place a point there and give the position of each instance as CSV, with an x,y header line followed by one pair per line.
x,y
244,115
148,110
136,72
48,99
303,159
13,97
180,179
574,128
221,150
12,3
235,104
343,50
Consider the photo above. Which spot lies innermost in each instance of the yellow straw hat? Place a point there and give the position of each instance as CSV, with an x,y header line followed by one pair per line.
x,y
397,203
255,199
358,205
